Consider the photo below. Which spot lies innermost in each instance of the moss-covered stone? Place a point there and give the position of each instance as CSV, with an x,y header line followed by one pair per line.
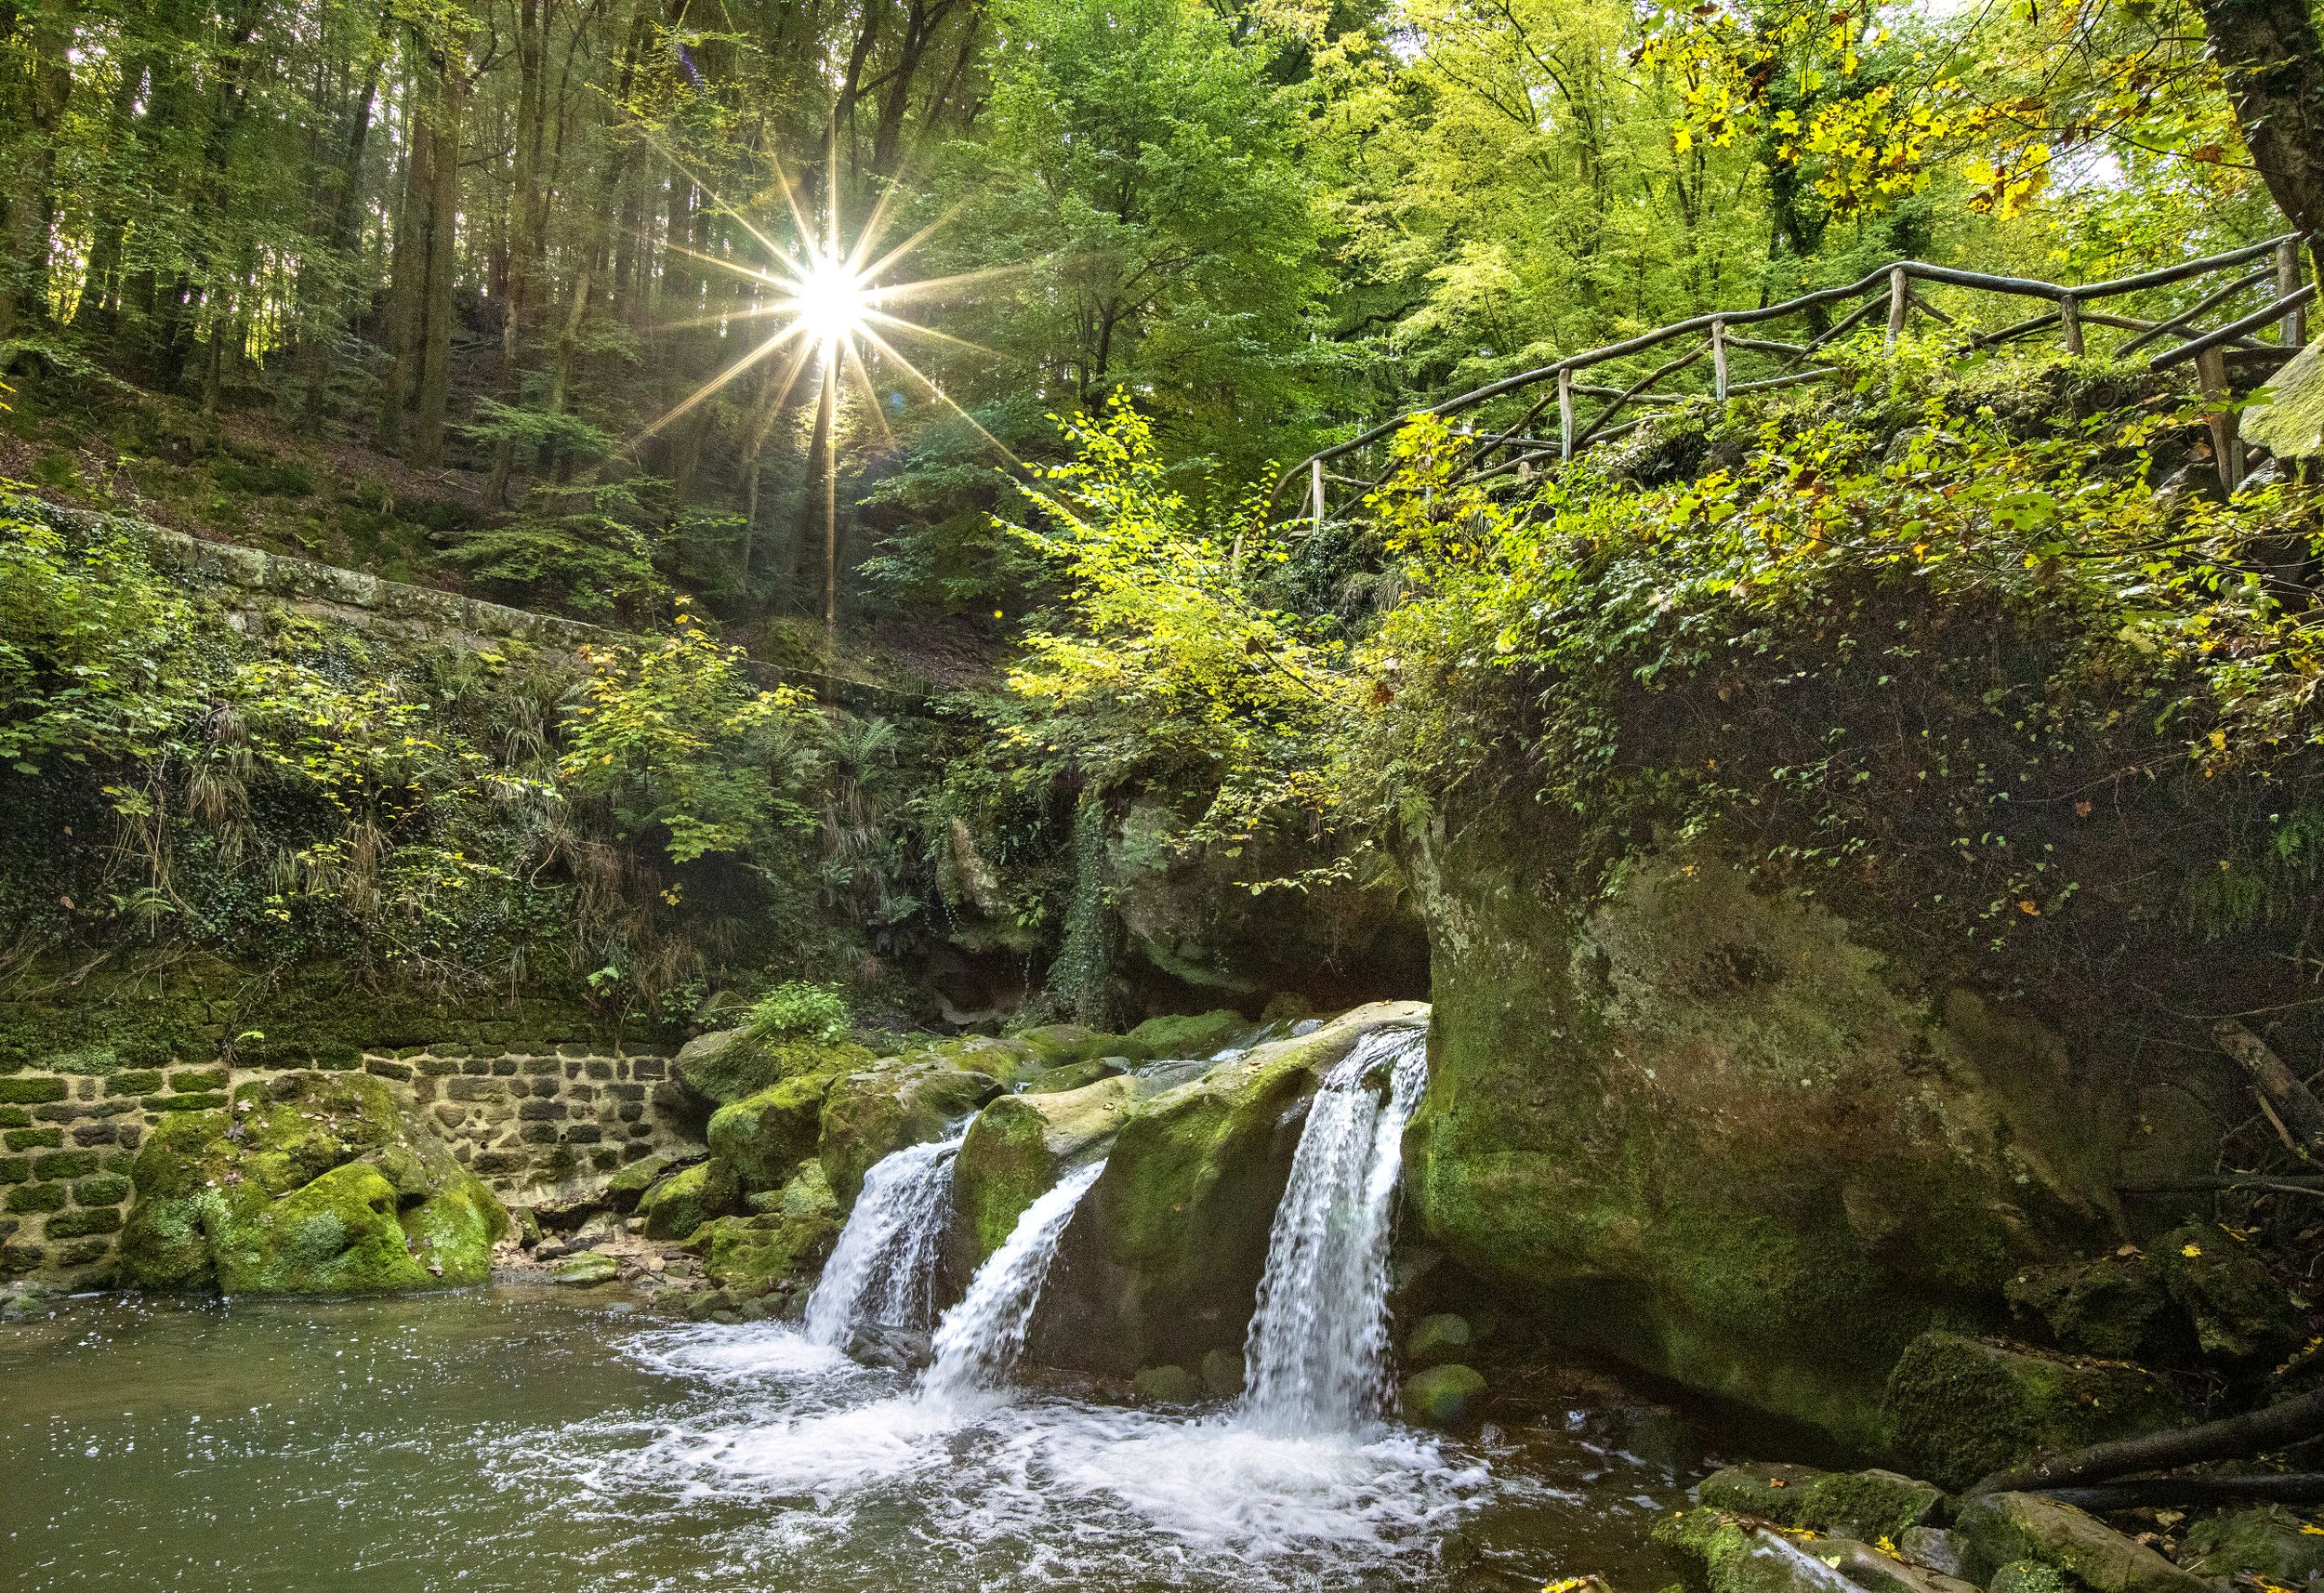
x,y
286,1194
585,1270
1999,1529
1868,1505
1188,1037
720,1069
1073,1075
749,1257
1059,1045
1451,1396
896,1101
1741,1555
26,1198
82,1223
686,1200
1166,1386
763,1135
2270,1542
2029,1576
2112,1306
30,1091
1962,1408
626,1188
1161,1262
1224,1373
1016,1149
2235,1308
1713,1133
33,1139
1434,1339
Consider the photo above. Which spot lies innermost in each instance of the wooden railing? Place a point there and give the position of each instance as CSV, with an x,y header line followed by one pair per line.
x,y
1508,447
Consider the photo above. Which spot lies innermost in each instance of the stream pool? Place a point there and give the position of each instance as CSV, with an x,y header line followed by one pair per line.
x,y
524,1438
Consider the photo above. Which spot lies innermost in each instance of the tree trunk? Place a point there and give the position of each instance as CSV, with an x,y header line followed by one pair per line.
x,y
2273,58
27,202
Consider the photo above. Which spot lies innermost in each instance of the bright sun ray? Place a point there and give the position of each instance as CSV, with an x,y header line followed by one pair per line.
x,y
831,307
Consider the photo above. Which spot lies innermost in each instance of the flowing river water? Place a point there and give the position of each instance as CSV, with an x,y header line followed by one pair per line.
x,y
526,1440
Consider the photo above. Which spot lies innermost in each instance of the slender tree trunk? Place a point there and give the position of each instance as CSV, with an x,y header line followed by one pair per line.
x,y
28,201
432,401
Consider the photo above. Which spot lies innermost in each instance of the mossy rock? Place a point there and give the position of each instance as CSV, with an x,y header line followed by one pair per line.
x,y
313,1184
1161,1262
1997,1530
1449,1396
2270,1542
626,1188
686,1200
896,1101
2236,1310
719,1069
2030,1576
1018,1147
1867,1505
585,1270
753,1256
1059,1045
1962,1408
1434,1339
2111,1306
1224,1373
1073,1075
1166,1386
1740,1555
1186,1038
764,1136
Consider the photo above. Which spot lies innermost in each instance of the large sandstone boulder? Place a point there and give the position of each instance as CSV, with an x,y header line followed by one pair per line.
x,y
1713,1133
1161,1263
1018,1147
305,1184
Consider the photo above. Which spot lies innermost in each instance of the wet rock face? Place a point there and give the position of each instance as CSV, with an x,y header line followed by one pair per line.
x,y
1715,1135
1161,1262
305,1183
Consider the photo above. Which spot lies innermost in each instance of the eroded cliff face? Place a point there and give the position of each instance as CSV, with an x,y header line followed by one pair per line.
x,y
1713,1133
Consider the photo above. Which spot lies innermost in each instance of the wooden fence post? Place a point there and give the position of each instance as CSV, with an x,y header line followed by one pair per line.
x,y
1719,358
1899,300
1565,413
2288,275
2211,366
2070,319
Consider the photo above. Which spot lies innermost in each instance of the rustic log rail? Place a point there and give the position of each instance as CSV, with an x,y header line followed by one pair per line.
x,y
1901,290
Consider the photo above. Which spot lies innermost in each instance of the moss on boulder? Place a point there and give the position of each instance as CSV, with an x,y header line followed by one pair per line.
x,y
690,1197
896,1101
2236,1310
1449,1396
777,1248
763,1135
2271,1543
310,1183
1864,1505
1016,1149
2113,1306
1162,1260
719,1069
1997,1530
1713,1133
1189,1037
1962,1408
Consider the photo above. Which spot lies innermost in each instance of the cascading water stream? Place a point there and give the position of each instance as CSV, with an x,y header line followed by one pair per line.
x,y
884,1268
980,1339
1317,1352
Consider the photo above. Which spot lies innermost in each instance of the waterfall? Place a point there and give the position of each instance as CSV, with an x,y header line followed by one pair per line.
x,y
1317,1352
884,1268
980,1339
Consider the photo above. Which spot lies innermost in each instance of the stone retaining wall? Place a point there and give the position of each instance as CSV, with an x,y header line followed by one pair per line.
x,y
535,1121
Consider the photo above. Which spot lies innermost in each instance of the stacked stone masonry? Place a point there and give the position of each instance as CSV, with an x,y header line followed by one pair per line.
x,y
536,1124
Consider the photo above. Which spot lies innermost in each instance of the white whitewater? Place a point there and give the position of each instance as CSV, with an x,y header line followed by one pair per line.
x,y
980,1339
884,1268
1318,1353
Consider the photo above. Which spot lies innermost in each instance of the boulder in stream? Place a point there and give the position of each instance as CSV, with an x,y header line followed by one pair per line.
x,y
1962,1408
1863,1505
308,1183
1449,1396
1997,1528
2270,1542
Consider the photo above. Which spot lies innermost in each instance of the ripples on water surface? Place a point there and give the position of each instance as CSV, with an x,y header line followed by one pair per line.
x,y
525,1440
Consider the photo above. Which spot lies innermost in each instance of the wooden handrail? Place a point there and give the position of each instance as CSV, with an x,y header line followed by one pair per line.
x,y
1889,287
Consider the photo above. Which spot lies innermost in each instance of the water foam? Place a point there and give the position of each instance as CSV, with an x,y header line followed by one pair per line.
x,y
979,1339
883,1269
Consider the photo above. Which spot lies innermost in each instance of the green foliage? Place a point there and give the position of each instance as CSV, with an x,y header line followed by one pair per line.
x,y
686,748
797,1009
1159,658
